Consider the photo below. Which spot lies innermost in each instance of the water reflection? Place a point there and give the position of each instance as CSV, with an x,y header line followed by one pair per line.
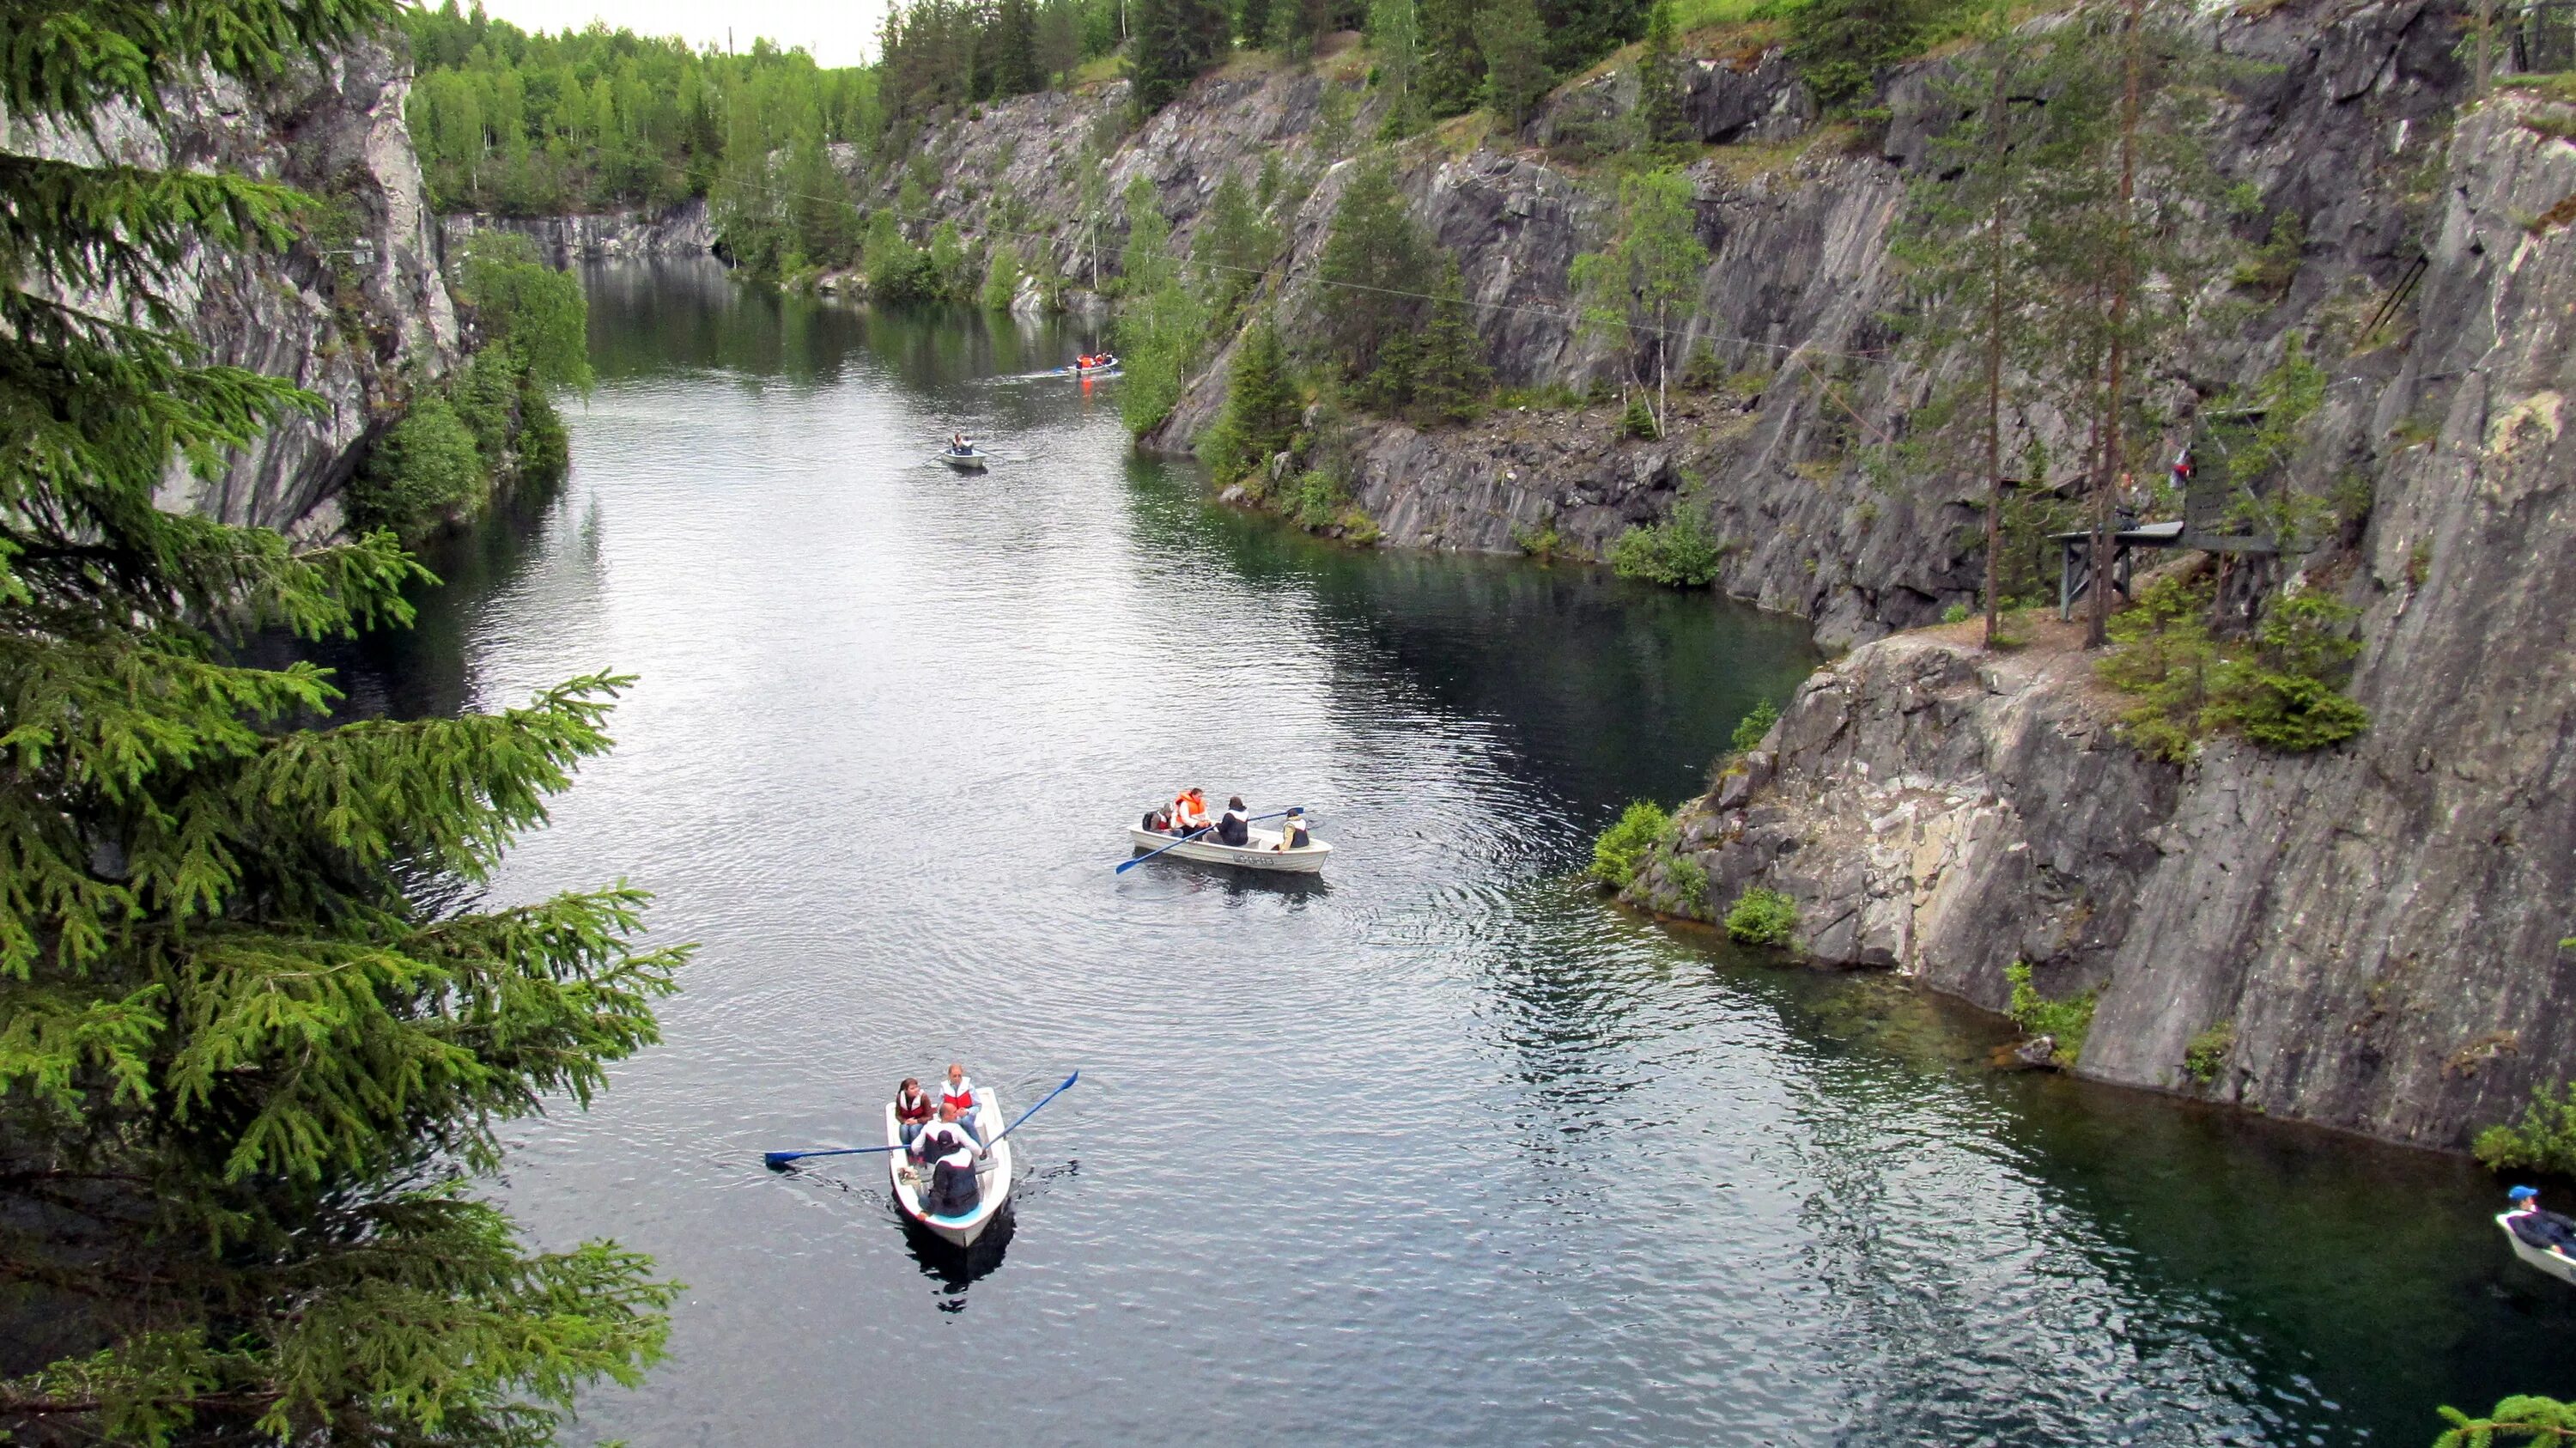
x,y
1442,1151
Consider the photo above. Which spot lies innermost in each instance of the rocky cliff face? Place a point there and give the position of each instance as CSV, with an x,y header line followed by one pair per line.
x,y
353,314
2372,930
683,230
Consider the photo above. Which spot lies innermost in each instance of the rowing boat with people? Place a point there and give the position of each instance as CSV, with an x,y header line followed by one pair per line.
x,y
972,459
1105,363
2555,1264
992,1175
1260,851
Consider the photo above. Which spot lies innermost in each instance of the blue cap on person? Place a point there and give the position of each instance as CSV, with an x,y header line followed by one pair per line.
x,y
2521,1194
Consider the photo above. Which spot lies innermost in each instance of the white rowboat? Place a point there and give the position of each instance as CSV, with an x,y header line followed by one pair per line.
x,y
2562,1268
1262,853
964,461
992,1175
1105,364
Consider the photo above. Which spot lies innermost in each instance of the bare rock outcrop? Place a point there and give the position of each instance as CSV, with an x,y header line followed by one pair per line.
x,y
354,314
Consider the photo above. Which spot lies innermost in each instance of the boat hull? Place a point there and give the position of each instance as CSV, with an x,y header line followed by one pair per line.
x,y
2562,1268
1261,854
965,462
992,1177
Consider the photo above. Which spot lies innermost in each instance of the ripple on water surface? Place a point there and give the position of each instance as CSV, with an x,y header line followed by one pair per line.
x,y
1435,1150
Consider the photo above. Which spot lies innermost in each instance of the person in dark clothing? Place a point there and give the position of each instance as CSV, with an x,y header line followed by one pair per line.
x,y
952,1151
1233,827
2546,1230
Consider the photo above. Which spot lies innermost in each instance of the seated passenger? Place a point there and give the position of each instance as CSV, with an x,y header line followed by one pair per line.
x,y
1292,831
959,1091
1189,811
1233,828
912,1108
2546,1230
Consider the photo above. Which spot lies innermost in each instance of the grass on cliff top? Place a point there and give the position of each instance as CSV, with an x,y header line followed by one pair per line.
x,y
1099,70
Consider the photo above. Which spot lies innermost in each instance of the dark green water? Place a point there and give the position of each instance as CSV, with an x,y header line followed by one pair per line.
x,y
1441,1150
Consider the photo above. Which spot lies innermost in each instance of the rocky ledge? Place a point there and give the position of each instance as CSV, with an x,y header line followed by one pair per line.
x,y
681,230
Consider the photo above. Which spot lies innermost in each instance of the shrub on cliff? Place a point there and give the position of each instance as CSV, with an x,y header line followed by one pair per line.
x,y
2065,1022
1678,553
1622,847
426,471
1755,724
2518,1419
1763,917
2543,1140
2278,689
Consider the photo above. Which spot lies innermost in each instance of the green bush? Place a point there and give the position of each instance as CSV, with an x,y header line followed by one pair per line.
x,y
1690,882
1639,420
424,472
1623,846
1763,917
2206,1056
2518,1419
1957,613
2065,1020
2544,1140
2278,689
1314,501
1678,553
1757,721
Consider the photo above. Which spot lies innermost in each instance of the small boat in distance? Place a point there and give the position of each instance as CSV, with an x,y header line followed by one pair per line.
x,y
1105,362
2562,1268
1260,851
992,1176
972,460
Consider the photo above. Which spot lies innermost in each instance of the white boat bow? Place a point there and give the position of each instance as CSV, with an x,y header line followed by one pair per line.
x,y
992,1175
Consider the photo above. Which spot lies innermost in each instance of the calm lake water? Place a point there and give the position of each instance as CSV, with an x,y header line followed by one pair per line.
x,y
1441,1150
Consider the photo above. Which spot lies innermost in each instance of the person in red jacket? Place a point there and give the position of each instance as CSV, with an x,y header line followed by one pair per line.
x,y
912,1108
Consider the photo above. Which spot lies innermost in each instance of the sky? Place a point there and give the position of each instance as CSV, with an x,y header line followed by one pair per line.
x,y
837,31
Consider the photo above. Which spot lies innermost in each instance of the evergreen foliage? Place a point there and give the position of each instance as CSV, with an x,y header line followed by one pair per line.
x,y
2279,689
1395,38
956,53
1172,43
536,124
1002,274
1755,725
1452,379
1374,259
1234,248
1262,408
1511,40
1622,847
1840,46
1658,117
248,1068
1453,67
1762,916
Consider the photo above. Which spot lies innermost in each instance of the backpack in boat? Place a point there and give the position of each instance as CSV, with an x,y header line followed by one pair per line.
x,y
1159,821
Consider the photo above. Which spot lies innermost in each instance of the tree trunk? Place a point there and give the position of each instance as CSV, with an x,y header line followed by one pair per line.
x,y
2097,625
1663,385
1995,117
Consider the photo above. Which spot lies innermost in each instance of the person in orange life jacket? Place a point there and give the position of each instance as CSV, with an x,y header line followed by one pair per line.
x,y
1292,831
912,1108
1189,811
1232,828
952,1151
2546,1230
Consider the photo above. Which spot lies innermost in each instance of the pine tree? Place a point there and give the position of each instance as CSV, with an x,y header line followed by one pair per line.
x,y
1374,263
1453,377
1395,34
1160,323
1514,46
1233,248
248,1074
1659,119
1262,408
1453,68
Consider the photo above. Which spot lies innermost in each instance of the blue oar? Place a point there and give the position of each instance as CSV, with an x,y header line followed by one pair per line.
x,y
777,1159
1043,1100
1126,865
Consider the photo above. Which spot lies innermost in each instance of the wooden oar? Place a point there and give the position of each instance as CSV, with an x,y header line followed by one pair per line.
x,y
1126,865
777,1159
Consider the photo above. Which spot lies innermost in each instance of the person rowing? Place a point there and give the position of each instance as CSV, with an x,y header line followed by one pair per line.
x,y
951,1151
1234,827
960,444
